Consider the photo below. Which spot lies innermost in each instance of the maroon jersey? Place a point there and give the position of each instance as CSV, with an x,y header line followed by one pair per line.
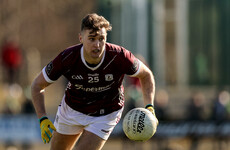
x,y
95,90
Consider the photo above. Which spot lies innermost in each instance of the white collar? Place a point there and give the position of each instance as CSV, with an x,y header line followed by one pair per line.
x,y
92,68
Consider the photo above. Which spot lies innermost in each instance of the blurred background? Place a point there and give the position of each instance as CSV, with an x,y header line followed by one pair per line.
x,y
186,43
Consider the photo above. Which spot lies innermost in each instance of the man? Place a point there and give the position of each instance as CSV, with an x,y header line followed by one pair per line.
x,y
11,60
94,97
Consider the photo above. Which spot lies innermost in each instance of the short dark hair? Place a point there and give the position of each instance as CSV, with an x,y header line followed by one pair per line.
x,y
95,22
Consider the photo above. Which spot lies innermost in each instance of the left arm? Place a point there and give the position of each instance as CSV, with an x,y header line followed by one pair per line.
x,y
147,81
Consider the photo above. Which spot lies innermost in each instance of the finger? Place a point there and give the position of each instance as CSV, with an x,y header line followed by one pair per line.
x,y
157,121
48,133
43,134
44,141
150,109
46,138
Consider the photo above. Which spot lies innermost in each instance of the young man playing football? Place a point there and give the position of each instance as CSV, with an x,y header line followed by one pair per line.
x,y
94,98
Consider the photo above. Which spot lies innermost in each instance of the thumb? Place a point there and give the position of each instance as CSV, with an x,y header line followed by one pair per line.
x,y
52,127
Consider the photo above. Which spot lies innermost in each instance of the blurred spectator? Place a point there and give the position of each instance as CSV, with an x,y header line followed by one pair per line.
x,y
196,108
221,107
160,104
196,112
11,60
12,99
133,98
27,107
220,114
27,104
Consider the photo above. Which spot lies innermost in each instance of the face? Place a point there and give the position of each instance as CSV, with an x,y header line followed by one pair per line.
x,y
94,44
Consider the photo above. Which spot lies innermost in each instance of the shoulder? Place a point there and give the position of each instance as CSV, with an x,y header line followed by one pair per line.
x,y
115,48
71,52
120,55
72,49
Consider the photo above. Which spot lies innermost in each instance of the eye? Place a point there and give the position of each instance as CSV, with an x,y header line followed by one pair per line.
x,y
101,39
91,39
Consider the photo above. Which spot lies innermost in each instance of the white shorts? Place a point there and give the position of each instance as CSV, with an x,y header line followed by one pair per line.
x,y
72,122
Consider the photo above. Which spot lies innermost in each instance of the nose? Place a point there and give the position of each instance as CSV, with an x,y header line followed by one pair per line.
x,y
97,43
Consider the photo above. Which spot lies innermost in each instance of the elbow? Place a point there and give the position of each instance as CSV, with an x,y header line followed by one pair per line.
x,y
37,86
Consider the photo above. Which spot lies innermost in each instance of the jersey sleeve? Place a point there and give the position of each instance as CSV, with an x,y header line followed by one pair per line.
x,y
54,69
131,65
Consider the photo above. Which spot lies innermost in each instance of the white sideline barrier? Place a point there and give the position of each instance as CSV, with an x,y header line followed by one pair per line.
x,y
21,128
25,128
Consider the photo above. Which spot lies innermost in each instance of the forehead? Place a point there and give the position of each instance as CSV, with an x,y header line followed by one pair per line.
x,y
100,32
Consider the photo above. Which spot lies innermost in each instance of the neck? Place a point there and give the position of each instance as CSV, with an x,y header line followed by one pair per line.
x,y
91,60
91,65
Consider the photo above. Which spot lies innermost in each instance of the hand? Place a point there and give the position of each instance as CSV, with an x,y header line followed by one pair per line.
x,y
151,109
46,134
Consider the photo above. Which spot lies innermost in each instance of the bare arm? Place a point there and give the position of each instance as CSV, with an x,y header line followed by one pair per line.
x,y
37,91
147,84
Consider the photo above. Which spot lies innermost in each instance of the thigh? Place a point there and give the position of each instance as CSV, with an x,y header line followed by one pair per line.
x,y
90,141
63,142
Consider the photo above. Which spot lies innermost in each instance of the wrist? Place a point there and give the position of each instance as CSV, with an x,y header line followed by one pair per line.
x,y
149,105
43,118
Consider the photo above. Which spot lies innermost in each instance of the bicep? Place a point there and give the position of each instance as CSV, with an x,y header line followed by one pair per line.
x,y
40,82
143,71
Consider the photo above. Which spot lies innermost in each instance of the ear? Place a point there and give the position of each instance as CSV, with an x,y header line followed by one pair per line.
x,y
80,37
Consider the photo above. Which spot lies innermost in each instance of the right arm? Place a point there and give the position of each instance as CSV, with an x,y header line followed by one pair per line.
x,y
37,90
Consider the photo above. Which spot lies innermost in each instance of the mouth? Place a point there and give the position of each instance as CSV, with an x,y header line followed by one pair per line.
x,y
95,51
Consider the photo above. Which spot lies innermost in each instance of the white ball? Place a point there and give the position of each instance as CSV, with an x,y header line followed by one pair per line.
x,y
139,124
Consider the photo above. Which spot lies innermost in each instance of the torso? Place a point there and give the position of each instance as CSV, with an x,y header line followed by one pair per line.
x,y
94,90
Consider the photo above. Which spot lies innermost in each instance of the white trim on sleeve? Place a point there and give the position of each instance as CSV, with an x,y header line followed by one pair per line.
x,y
45,76
135,74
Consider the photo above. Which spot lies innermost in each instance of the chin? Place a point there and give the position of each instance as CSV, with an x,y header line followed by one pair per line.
x,y
95,56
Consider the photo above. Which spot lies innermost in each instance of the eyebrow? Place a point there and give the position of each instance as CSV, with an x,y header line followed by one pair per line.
x,y
92,35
